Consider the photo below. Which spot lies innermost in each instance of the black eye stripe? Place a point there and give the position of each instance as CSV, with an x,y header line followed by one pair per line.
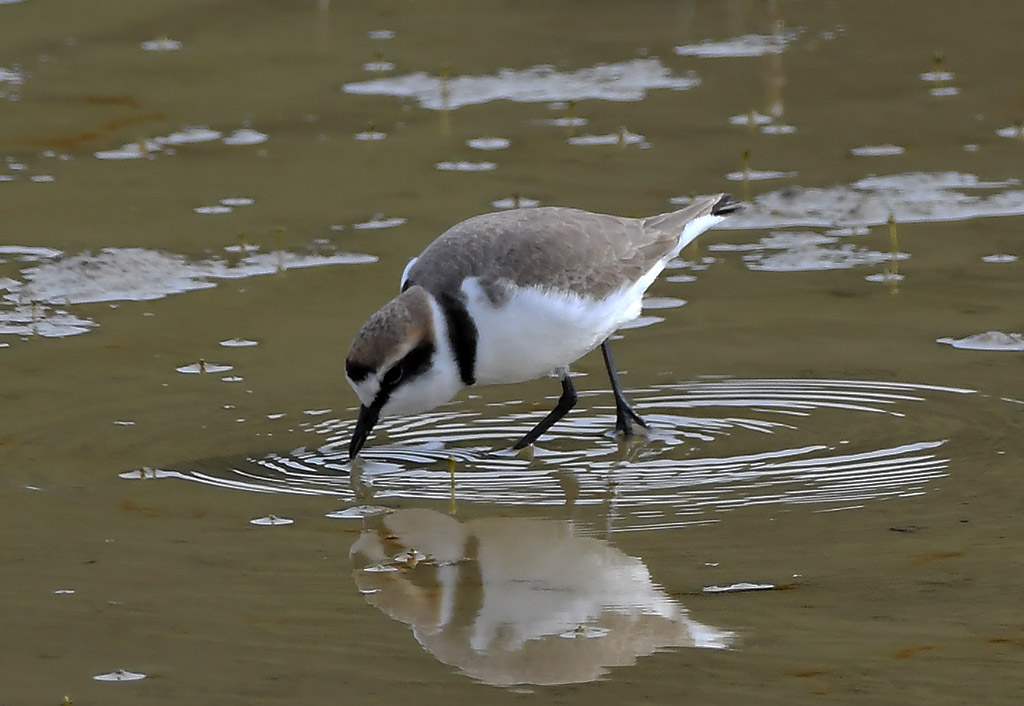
x,y
413,363
357,372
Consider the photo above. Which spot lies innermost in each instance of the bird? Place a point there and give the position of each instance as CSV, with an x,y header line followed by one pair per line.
x,y
512,296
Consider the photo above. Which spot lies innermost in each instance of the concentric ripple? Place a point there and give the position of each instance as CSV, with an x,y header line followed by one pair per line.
x,y
715,445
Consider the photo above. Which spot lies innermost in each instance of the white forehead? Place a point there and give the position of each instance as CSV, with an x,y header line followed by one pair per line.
x,y
365,389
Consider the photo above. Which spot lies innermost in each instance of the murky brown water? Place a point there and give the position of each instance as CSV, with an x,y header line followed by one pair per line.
x,y
174,176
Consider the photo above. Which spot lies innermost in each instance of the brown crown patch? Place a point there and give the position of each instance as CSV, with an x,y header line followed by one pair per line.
x,y
392,331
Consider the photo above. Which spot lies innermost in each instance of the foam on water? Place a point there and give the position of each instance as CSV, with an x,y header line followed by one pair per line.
x,y
137,274
625,81
379,221
245,136
189,135
623,137
371,136
378,66
11,79
759,175
800,251
162,44
515,202
988,341
744,46
120,675
462,166
751,118
877,150
911,198
778,129
30,303
488,143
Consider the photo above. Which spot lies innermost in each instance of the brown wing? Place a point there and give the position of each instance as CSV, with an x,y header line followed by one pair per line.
x,y
560,248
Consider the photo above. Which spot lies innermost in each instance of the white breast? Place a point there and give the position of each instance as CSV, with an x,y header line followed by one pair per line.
x,y
537,331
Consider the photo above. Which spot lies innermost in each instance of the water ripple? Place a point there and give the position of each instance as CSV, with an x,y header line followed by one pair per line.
x,y
715,445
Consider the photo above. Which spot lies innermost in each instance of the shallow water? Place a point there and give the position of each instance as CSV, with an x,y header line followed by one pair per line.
x,y
201,201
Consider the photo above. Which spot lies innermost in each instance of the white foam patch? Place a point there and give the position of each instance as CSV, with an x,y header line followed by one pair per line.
x,y
563,121
245,136
272,521
488,143
988,341
379,221
27,253
745,46
137,274
751,118
162,44
239,343
237,201
911,198
625,81
203,368
818,258
12,76
803,251
662,302
119,676
378,66
465,166
877,151
515,202
11,79
189,135
41,320
759,175
885,277
624,137
778,129
371,136
782,240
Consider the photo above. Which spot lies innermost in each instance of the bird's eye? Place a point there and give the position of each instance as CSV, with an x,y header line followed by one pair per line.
x,y
392,376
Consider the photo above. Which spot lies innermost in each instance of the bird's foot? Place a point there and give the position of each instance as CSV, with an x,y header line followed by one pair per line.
x,y
624,418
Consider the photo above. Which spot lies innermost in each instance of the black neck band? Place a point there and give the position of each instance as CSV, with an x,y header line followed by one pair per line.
x,y
462,335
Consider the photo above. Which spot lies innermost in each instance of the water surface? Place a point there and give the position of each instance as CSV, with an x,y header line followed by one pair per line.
x,y
200,202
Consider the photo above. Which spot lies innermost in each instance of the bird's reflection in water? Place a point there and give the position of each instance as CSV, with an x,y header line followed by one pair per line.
x,y
519,601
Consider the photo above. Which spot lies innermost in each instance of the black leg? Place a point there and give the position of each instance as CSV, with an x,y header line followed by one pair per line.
x,y
566,402
624,414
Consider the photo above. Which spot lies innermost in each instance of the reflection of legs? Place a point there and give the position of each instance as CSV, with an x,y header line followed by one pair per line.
x,y
566,402
624,414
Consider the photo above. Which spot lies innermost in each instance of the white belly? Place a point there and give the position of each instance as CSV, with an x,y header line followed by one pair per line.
x,y
538,331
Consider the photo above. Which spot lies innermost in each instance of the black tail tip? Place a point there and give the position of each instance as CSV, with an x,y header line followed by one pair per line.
x,y
726,205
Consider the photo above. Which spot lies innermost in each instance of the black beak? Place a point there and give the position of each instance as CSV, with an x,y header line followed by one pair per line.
x,y
367,419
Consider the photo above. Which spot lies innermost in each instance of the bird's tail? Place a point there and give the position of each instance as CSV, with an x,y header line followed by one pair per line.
x,y
725,205
696,218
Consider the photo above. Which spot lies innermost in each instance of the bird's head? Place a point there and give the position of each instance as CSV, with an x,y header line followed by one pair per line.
x,y
400,362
